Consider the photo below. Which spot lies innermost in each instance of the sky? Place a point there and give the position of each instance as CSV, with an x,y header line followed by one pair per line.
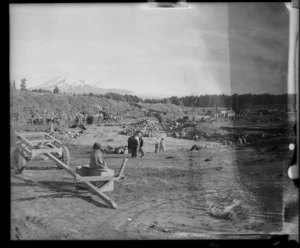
x,y
202,49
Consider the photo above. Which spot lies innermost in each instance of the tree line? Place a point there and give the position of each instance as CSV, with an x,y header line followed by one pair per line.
x,y
234,101
114,96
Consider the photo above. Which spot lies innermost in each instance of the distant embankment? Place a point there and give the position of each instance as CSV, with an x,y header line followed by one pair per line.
x,y
159,107
25,104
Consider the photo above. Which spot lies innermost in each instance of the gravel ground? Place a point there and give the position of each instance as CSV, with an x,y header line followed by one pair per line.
x,y
170,195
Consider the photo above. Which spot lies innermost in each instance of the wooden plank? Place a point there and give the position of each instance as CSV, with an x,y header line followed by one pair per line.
x,y
47,135
103,178
24,148
25,140
62,165
95,178
52,145
33,142
98,188
25,154
49,150
22,135
122,168
101,195
31,133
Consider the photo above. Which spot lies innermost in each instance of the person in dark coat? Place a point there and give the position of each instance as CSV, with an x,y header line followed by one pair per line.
x,y
129,141
134,146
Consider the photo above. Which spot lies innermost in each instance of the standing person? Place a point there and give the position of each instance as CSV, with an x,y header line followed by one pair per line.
x,y
134,146
196,138
162,145
129,142
80,117
52,125
156,145
141,143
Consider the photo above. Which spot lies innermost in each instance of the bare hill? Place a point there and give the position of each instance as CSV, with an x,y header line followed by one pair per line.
x,y
26,104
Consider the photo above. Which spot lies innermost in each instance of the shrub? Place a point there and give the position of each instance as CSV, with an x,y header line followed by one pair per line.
x,y
56,90
90,120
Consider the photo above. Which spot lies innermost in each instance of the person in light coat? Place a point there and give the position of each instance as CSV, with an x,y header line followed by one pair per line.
x,y
162,146
156,145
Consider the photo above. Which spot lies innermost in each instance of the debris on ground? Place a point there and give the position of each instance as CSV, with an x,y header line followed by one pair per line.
x,y
108,149
147,127
78,126
196,148
233,211
155,226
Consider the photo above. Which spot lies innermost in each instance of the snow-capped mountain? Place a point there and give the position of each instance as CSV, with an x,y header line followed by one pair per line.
x,y
68,85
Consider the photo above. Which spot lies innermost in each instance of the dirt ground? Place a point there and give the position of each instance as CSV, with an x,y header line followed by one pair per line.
x,y
174,194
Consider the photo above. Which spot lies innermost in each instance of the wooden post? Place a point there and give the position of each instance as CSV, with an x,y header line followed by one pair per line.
x,y
122,168
95,178
105,198
62,165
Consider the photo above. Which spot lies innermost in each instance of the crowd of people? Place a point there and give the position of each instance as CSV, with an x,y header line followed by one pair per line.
x,y
135,147
136,142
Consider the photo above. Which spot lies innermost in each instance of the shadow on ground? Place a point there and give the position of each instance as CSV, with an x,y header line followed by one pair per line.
x,y
62,190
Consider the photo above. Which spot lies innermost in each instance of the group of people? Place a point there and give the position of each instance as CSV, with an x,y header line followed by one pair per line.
x,y
136,142
160,145
135,145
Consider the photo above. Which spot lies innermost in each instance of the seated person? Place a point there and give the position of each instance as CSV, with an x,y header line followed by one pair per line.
x,y
96,158
96,166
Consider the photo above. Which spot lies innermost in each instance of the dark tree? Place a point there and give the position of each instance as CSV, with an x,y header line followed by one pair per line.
x,y
23,84
56,90
13,84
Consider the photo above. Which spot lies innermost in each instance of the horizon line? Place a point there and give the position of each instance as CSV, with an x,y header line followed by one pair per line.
x,y
217,94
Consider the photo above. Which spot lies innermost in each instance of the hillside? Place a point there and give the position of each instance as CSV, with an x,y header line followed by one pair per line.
x,y
25,104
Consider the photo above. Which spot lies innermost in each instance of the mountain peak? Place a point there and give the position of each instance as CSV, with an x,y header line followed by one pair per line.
x,y
69,85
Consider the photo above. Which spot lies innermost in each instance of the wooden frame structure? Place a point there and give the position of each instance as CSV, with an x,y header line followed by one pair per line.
x,y
28,146
87,180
